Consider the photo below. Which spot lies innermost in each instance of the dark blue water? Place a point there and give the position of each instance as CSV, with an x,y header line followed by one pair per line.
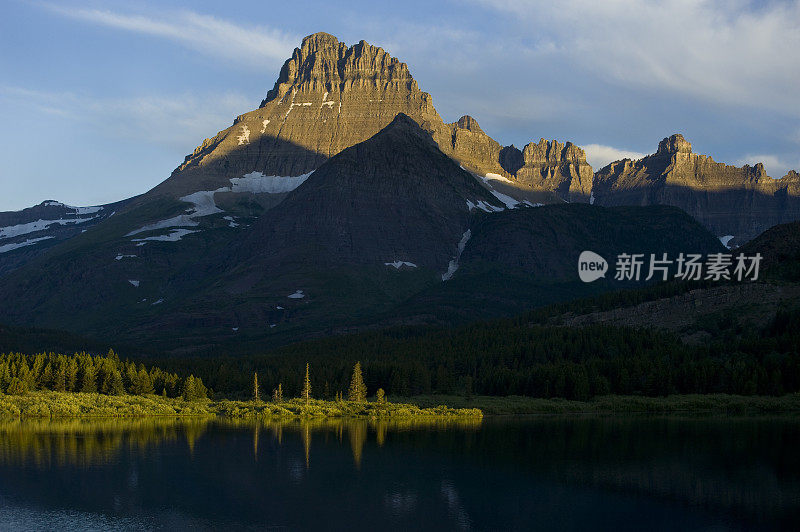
x,y
565,473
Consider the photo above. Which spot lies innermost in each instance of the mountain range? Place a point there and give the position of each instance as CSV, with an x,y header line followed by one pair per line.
x,y
345,202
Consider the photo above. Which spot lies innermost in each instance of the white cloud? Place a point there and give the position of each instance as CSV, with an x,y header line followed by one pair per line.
x,y
599,156
727,52
775,165
181,120
256,46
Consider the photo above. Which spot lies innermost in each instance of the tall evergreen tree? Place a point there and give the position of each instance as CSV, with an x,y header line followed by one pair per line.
x,y
88,377
306,393
255,386
72,375
277,394
358,390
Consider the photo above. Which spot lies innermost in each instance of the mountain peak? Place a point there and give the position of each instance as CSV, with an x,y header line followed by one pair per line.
x,y
404,126
674,144
319,40
324,64
469,123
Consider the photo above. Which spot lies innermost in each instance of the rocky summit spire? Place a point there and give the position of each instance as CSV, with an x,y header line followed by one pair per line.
x,y
674,144
323,64
328,97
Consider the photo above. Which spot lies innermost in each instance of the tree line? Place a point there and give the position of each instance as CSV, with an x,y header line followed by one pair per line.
x,y
501,357
82,372
514,357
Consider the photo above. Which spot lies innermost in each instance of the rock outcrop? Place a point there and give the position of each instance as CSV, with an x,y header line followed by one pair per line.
x,y
547,171
728,200
329,97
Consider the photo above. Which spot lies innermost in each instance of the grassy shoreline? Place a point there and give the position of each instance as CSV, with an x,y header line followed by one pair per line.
x,y
610,404
48,404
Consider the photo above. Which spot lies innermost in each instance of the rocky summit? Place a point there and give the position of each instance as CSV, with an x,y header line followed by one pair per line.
x,y
328,97
734,203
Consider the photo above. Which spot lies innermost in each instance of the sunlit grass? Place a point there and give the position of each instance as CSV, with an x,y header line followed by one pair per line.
x,y
48,404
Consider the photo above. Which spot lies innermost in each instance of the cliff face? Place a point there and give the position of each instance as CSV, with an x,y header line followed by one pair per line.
x,y
561,168
329,97
547,171
728,200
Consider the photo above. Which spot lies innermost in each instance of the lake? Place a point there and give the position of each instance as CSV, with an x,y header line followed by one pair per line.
x,y
502,473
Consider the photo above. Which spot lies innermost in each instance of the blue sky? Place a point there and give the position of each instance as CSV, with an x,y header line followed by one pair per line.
x,y
102,100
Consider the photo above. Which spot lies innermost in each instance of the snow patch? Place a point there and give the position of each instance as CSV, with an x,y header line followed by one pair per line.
x,y
507,200
8,247
160,300
264,125
453,266
327,102
134,282
121,256
258,183
86,210
279,308
173,236
234,329
495,177
244,138
38,225
726,240
400,263
591,198
482,205
182,220
297,295
203,203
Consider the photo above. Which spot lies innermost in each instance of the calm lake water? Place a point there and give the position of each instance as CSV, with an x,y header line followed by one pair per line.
x,y
573,473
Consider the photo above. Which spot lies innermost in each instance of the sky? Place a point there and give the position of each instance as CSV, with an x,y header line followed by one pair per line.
x,y
100,101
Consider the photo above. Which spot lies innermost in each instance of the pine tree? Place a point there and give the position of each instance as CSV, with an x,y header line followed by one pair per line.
x,y
17,387
380,396
358,390
72,375
60,376
116,387
88,378
145,383
306,394
193,389
255,386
